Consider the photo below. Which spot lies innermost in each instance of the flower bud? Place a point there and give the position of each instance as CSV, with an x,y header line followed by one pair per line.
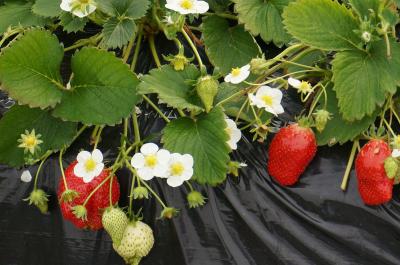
x,y
169,213
38,198
195,199
258,66
140,193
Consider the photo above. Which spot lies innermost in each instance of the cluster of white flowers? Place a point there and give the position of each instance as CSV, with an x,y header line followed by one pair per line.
x,y
155,162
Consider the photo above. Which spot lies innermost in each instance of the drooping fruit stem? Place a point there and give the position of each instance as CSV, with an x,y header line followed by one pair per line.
x,y
62,169
40,168
349,165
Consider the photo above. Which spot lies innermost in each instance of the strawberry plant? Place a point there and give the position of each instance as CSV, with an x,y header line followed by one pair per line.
x,y
217,81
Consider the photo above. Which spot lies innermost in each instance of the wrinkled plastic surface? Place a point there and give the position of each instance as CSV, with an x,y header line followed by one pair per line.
x,y
249,220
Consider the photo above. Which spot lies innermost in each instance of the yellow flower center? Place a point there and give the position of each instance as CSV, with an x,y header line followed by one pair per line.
x,y
90,164
235,72
267,100
304,87
186,4
150,161
177,169
30,141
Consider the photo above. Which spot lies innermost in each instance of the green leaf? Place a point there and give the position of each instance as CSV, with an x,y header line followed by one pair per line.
x,y
219,5
132,9
263,18
47,8
364,7
228,47
55,133
173,87
323,24
205,139
337,129
103,89
72,23
311,58
18,13
29,69
118,32
363,80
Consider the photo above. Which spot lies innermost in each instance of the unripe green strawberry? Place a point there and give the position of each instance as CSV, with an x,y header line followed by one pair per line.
x,y
115,221
207,89
321,119
136,242
391,167
38,197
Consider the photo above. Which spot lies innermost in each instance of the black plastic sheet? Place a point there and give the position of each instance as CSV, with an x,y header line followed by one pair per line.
x,y
249,220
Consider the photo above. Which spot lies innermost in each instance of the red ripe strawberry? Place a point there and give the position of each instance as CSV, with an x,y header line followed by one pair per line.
x,y
373,184
97,202
290,152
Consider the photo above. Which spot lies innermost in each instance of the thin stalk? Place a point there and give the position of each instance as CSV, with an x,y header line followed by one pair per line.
x,y
153,192
98,187
156,108
131,196
224,15
137,48
195,51
154,51
136,130
39,169
128,49
349,165
62,169
98,137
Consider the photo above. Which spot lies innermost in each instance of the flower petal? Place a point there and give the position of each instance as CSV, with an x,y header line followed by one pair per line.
x,y
145,173
79,170
228,78
187,174
163,156
396,153
160,171
83,156
201,7
187,160
149,149
66,5
294,82
26,176
245,68
174,181
137,160
98,169
97,156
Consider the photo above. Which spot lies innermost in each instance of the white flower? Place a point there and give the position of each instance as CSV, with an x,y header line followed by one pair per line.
x,y
396,153
301,86
26,176
268,98
242,164
238,75
234,134
89,166
180,169
366,36
80,8
187,6
151,162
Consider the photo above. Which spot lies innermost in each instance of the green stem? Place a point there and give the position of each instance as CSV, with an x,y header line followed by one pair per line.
x,y
189,185
195,51
131,196
136,127
128,49
154,51
98,187
137,48
62,169
153,192
156,108
388,48
224,15
389,127
349,165
98,137
94,39
40,168
146,185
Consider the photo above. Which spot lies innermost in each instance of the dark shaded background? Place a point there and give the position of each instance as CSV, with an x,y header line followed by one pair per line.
x,y
249,220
